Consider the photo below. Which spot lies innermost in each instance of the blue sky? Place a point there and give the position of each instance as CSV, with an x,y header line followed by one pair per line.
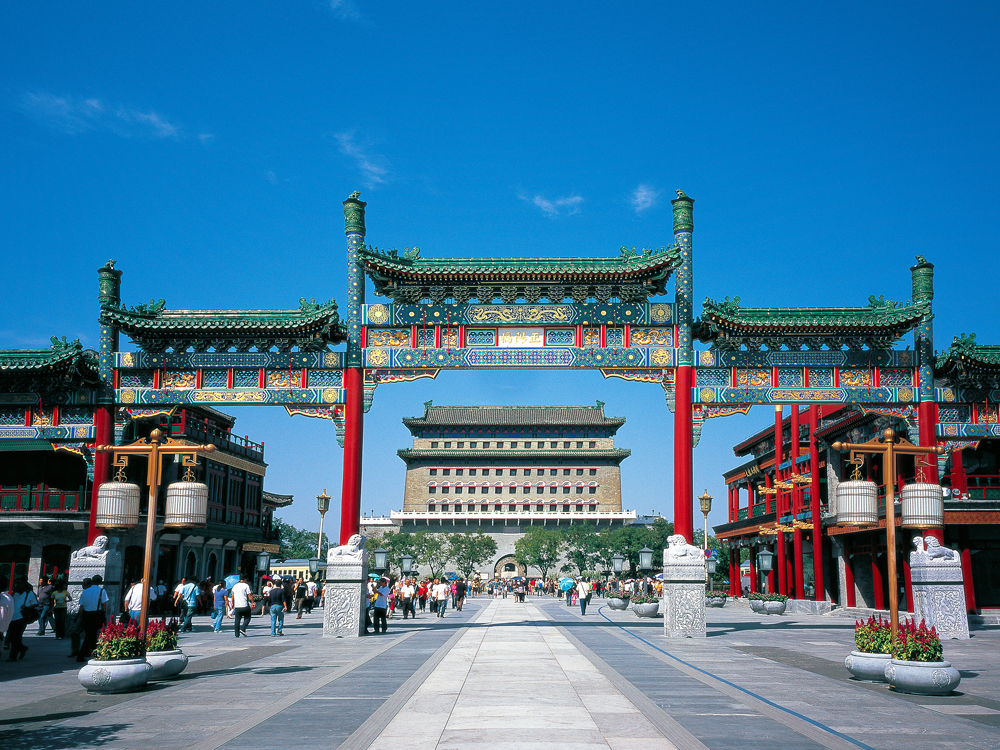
x,y
207,148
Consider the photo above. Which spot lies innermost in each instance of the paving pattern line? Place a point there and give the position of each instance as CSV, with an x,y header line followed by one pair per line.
x,y
664,722
807,727
365,735
227,735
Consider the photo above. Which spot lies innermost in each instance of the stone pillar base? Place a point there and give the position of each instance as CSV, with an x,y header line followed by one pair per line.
x,y
683,590
939,595
345,598
103,559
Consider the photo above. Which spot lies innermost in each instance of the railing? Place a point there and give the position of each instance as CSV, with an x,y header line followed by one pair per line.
x,y
223,440
742,514
41,498
759,509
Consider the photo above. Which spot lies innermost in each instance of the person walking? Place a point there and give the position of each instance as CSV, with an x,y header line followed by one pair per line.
x,y
407,592
422,591
45,588
6,607
441,593
133,600
93,610
60,597
300,597
583,594
189,597
220,605
277,601
310,596
24,599
161,601
242,598
381,605
460,589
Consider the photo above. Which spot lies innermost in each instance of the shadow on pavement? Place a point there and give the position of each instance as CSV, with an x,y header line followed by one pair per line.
x,y
61,738
45,717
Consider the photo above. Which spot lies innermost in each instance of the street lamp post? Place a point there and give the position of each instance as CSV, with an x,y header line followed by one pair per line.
x,y
890,447
323,505
765,558
154,450
706,507
645,558
313,567
406,564
381,559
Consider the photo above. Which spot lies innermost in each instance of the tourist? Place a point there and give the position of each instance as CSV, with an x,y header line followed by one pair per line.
x,y
300,597
310,596
277,601
422,591
220,603
460,589
406,595
189,598
60,597
161,598
242,599
583,594
6,607
23,600
45,604
133,600
381,605
441,592
93,611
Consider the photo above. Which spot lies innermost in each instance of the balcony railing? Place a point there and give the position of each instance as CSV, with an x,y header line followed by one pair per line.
x,y
205,433
41,498
983,486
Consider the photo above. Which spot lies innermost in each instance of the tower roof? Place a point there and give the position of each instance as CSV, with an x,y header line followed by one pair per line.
x,y
514,416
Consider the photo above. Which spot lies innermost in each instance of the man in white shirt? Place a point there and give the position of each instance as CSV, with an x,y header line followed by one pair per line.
x,y
310,596
406,592
441,593
242,598
93,606
582,591
133,600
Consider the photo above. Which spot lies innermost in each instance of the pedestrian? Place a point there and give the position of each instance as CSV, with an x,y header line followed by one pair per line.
x,y
133,600
422,596
6,607
60,596
45,588
277,602
220,604
189,598
441,593
407,592
161,601
310,596
24,600
300,597
460,589
242,599
583,594
94,614
383,587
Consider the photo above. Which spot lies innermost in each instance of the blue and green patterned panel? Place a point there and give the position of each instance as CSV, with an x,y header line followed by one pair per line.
x,y
76,415
493,357
560,336
811,359
968,430
483,337
614,337
12,416
790,377
212,378
958,413
712,377
613,314
246,378
891,377
326,378
135,379
714,395
820,378
229,397
69,432
226,360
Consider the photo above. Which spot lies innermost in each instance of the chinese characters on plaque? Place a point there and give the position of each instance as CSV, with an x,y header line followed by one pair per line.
x,y
520,337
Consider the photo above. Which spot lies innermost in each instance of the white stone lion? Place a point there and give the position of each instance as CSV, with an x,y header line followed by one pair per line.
x,y
933,551
353,550
678,549
96,551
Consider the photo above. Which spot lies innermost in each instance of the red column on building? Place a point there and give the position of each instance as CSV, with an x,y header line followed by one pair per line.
x,y
959,480
970,591
104,434
752,560
814,490
878,579
797,507
849,581
350,506
780,551
683,448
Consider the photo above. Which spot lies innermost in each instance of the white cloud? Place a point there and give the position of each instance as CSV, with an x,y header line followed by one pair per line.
x,y
346,9
271,177
374,168
73,115
568,205
205,138
645,196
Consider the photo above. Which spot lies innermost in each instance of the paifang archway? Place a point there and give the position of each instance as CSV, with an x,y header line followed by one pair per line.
x,y
610,314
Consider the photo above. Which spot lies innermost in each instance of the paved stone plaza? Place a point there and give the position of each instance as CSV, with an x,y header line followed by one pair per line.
x,y
507,675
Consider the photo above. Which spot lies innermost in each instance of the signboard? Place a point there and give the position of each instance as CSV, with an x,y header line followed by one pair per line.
x,y
520,338
260,547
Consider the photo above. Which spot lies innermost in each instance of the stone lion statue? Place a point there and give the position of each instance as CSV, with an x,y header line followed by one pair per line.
x,y
679,550
353,550
933,551
96,551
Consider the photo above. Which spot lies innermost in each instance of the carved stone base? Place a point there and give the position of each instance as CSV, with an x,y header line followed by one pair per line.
x,y
107,564
345,599
683,610
939,598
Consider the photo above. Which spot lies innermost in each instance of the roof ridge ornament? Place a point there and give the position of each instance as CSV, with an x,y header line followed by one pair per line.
x,y
153,309
881,303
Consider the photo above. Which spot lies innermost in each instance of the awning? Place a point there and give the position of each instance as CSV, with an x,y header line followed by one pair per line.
x,y
25,445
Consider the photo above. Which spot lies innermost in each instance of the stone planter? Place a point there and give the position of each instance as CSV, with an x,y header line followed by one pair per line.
x,y
646,610
757,605
715,601
616,603
124,676
867,667
922,677
775,608
166,664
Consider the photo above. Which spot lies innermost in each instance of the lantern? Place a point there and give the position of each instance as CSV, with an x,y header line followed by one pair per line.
x,y
187,504
313,565
711,563
118,505
406,564
764,559
617,561
263,560
381,559
857,503
645,558
922,506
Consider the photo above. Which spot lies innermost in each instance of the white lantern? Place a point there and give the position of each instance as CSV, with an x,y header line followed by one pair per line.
x,y
922,506
187,505
857,503
117,505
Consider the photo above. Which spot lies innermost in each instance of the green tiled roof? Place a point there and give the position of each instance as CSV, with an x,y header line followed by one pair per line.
x,y
510,416
514,454
879,314
25,445
62,354
965,354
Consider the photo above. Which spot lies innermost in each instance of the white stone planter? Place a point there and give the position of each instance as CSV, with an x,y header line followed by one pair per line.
x,y
922,677
616,603
715,601
775,608
166,664
867,667
124,676
757,605
646,610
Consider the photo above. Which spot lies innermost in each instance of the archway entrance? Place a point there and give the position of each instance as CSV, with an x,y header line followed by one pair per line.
x,y
508,567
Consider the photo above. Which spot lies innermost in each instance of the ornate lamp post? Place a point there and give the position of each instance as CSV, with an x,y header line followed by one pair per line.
x,y
710,564
263,562
322,505
860,499
706,507
645,558
406,564
313,567
381,559
187,501
765,558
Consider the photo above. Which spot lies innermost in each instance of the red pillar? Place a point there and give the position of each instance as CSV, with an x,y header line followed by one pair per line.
x,y
752,559
970,591
683,455
104,434
878,580
781,560
926,471
908,581
852,600
958,478
799,584
814,491
350,501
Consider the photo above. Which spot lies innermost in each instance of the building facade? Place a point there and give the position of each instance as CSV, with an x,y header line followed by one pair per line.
x,y
502,469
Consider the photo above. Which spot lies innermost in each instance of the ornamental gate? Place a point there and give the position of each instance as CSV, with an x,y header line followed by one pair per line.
x,y
599,313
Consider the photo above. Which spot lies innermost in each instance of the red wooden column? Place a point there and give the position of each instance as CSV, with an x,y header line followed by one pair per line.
x,y
849,580
817,535
752,559
683,225
782,554
796,508
970,590
104,434
683,455
958,478
878,579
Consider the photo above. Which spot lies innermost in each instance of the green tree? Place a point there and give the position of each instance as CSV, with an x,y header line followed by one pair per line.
x,y
296,543
468,551
431,551
539,548
583,548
